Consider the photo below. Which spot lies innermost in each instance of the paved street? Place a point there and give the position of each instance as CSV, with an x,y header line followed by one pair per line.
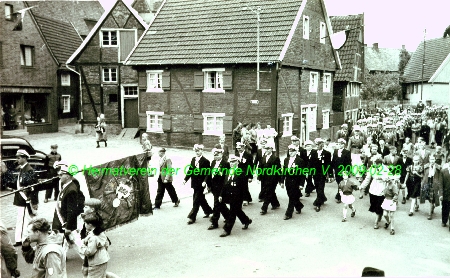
x,y
310,244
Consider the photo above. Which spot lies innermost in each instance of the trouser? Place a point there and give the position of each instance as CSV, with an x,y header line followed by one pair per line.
x,y
261,193
199,201
49,191
338,181
319,181
269,196
310,186
23,218
162,187
246,193
445,211
293,192
235,210
219,208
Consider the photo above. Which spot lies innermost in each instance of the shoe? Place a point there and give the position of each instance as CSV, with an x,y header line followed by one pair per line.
x,y
260,200
317,209
376,226
353,213
177,203
307,195
344,219
156,208
224,234
212,227
392,232
361,196
277,207
46,201
416,208
17,244
298,211
263,212
245,203
365,193
206,216
444,225
190,222
287,217
410,213
386,225
246,225
106,145
404,200
98,147
429,217
407,198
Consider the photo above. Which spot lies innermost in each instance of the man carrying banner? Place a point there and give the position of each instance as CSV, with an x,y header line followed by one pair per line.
x,y
198,163
26,201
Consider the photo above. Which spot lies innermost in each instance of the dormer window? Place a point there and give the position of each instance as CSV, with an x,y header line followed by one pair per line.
x,y
109,38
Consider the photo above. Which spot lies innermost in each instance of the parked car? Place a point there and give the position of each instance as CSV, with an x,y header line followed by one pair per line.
x,y
37,160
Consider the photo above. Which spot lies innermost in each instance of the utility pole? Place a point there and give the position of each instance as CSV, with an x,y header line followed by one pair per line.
x,y
423,64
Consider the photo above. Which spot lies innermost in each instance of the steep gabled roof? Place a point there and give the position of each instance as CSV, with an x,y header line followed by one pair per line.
x,y
73,12
436,50
62,39
348,50
381,59
100,23
207,32
442,74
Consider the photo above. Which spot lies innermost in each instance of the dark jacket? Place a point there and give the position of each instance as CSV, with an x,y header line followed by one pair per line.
x,y
216,180
320,164
403,167
26,177
197,179
344,160
444,188
67,201
273,163
437,183
385,151
245,163
233,188
297,178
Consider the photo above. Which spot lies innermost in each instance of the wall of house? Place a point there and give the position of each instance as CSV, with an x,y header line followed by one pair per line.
x,y
37,82
439,94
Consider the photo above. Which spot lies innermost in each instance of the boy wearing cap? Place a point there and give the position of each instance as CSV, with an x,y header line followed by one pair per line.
x,y
307,156
198,163
51,158
341,159
322,164
269,182
245,161
26,201
165,179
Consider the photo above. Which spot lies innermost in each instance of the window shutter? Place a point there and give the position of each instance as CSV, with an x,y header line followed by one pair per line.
x,y
198,80
319,123
228,124
198,123
227,80
142,80
166,80
296,126
166,123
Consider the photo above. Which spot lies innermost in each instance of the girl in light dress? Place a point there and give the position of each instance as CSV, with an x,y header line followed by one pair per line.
x,y
346,188
389,204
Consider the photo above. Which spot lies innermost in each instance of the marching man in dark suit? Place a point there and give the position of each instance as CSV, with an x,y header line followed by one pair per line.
x,y
245,161
165,179
198,183
444,195
257,162
269,181
308,156
341,159
293,178
322,164
25,201
215,182
233,193
65,216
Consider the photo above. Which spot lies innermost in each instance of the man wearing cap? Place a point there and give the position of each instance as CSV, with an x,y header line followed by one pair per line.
x,y
245,161
382,148
257,162
293,178
269,180
51,158
322,164
26,201
342,133
296,142
65,216
215,182
349,122
165,179
232,193
341,159
198,163
308,155
420,107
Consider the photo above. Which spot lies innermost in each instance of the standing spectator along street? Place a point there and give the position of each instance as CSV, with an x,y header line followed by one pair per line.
x,y
51,158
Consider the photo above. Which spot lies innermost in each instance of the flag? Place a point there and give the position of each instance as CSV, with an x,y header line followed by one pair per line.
x,y
124,194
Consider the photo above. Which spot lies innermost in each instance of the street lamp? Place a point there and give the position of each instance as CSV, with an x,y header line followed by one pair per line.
x,y
257,12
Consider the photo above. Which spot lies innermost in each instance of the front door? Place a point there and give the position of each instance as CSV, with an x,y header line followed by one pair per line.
x,y
131,113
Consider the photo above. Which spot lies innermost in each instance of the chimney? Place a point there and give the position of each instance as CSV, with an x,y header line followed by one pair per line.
x,y
375,46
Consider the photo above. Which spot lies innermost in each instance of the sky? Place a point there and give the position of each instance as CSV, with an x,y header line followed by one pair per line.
x,y
390,23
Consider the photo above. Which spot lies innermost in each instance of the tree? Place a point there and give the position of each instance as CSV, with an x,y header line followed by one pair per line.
x,y
381,86
404,58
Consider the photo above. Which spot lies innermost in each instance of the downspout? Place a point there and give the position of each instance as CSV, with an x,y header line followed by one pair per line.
x,y
81,97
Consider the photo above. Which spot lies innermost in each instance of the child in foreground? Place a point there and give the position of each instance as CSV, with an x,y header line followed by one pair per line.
x,y
346,188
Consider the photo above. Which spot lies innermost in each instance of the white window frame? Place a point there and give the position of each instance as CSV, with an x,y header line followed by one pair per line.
x,y
312,114
288,120
151,86
130,86
158,118
322,32
218,131
326,82
109,74
8,12
109,44
326,119
23,56
306,27
356,69
66,108
218,80
65,79
313,81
